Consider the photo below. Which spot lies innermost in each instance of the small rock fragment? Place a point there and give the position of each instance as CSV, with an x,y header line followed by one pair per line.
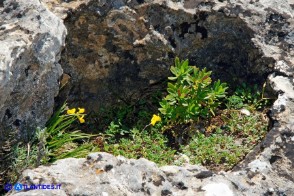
x,y
245,111
217,189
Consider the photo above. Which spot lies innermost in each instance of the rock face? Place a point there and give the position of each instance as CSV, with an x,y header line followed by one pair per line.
x,y
116,49
31,38
104,174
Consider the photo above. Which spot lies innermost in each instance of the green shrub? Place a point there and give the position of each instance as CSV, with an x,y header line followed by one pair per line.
x,y
191,94
222,148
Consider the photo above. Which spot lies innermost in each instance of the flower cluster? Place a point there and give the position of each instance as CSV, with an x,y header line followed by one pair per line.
x,y
80,113
155,119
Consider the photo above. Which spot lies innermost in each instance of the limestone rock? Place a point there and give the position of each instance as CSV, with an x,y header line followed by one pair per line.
x,y
31,39
104,174
116,49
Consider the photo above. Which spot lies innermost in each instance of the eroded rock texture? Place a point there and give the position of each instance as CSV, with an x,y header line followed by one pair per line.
x,y
104,174
116,49
31,38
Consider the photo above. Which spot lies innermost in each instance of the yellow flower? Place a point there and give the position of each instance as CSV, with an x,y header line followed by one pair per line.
x,y
71,111
81,119
155,119
81,110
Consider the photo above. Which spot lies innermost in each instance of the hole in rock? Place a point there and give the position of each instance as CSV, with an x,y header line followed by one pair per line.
x,y
8,113
115,66
140,1
274,158
17,122
124,76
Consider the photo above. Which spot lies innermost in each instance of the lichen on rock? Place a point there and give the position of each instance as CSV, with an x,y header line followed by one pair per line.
x,y
31,39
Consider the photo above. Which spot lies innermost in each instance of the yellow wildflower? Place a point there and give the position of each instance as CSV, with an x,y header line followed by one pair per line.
x,y
155,119
81,110
81,119
71,111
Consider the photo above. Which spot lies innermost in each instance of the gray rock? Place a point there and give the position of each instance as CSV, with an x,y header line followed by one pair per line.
x,y
31,39
217,189
134,44
104,174
259,166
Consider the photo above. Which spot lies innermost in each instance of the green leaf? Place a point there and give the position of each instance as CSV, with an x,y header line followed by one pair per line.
x,y
172,78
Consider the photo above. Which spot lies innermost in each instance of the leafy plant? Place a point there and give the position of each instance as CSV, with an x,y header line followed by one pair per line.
x,y
229,137
191,94
114,132
248,97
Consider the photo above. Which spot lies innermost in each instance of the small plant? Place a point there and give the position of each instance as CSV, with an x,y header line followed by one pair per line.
x,y
190,122
230,135
218,150
61,142
248,129
55,141
246,97
25,156
150,145
114,132
191,94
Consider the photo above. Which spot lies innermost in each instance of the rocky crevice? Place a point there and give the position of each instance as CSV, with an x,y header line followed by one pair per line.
x,y
119,47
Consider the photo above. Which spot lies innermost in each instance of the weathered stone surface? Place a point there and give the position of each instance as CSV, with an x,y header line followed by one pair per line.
x,y
104,174
115,49
31,38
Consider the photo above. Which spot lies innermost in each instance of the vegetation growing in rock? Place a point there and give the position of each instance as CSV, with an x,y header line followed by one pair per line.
x,y
191,94
197,118
57,140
